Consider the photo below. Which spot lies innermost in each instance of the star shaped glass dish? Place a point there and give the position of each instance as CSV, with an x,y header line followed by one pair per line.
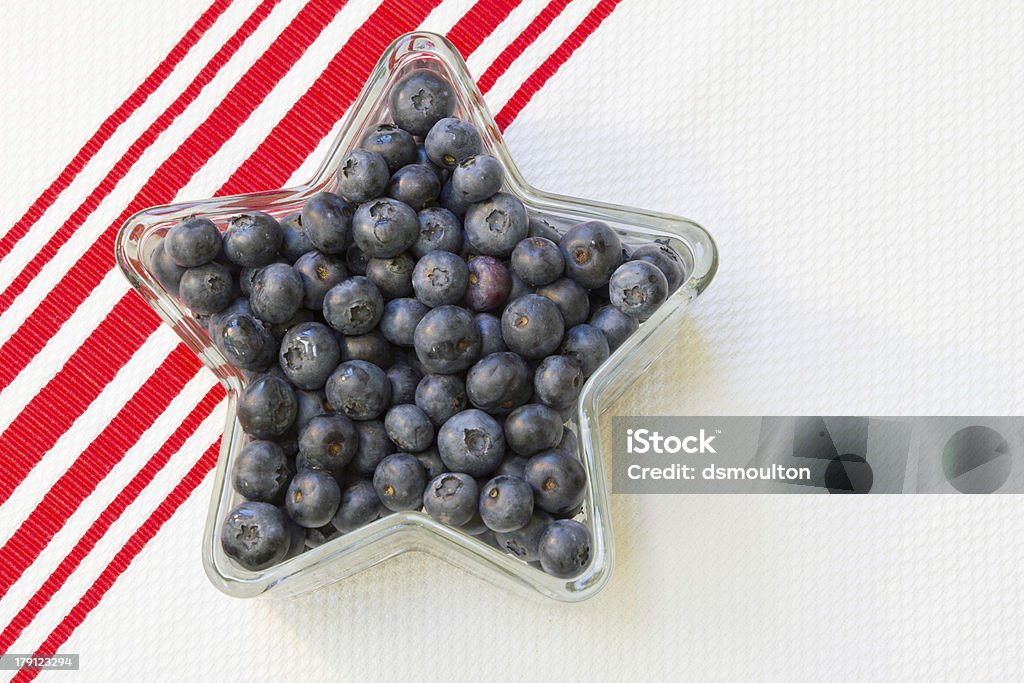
x,y
405,531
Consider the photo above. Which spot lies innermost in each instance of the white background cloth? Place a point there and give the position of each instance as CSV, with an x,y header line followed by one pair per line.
x,y
861,166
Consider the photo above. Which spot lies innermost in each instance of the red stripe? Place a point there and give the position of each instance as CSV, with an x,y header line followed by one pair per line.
x,y
126,554
133,154
478,23
108,516
512,51
250,90
553,63
102,584
94,463
111,124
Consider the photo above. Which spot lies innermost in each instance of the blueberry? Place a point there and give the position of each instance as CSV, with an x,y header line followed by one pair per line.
x,y
533,428
267,407
513,466
472,442
667,259
313,498
309,405
431,461
297,538
416,185
558,480
327,220
404,380
309,353
489,327
564,548
255,535
277,293
353,306
420,100
371,347
400,318
638,288
524,542
399,481
506,503
571,299
588,346
359,389
439,229
362,175
440,278
451,140
496,225
452,498
356,260
532,326
446,340
206,289
441,396
396,146
261,472
294,241
318,272
409,428
359,506
592,251
538,261
392,275
252,239
452,202
539,227
329,442
477,177
489,283
374,445
569,442
385,227
616,325
243,340
519,288
193,242
168,273
499,383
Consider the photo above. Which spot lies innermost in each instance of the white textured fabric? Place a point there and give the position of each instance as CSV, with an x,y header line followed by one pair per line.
x,y
861,166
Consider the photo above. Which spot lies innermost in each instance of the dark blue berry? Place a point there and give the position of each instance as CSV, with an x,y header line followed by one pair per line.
x,y
359,506
385,227
451,140
313,498
538,261
524,542
489,327
499,383
396,146
564,548
416,185
277,293
472,442
532,326
371,347
452,498
446,340
255,535
329,442
558,480
588,346
668,261
252,239
374,445
477,177
327,220
420,100
506,503
353,306
309,353
206,289
452,202
392,275
310,404
571,299
441,396
533,428
267,407
243,340
513,466
557,381
318,272
362,175
489,283
409,428
616,325
496,225
399,481
440,278
356,260
592,251
359,389
440,229
168,273
404,379
261,472
294,241
193,242
400,318
638,289
539,227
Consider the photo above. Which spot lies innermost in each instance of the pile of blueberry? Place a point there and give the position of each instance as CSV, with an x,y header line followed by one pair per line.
x,y
413,340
